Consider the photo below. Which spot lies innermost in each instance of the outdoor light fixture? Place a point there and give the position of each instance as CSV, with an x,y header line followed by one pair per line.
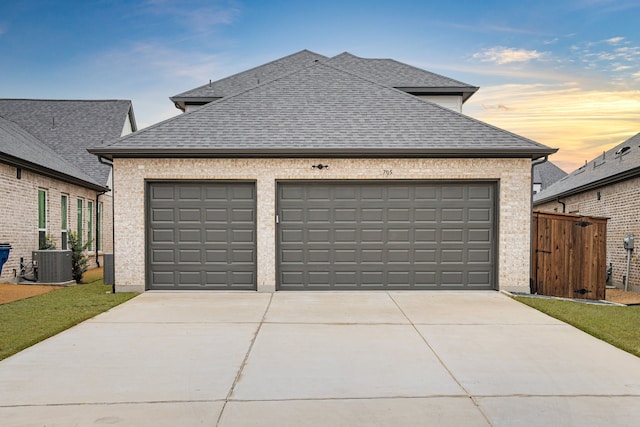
x,y
320,166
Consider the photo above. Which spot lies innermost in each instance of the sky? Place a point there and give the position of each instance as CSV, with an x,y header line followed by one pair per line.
x,y
565,73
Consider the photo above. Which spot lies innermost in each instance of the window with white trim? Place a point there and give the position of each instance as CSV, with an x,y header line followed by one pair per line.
x,y
64,221
42,219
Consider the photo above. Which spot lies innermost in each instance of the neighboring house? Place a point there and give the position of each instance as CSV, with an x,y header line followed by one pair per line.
x,y
607,186
545,174
322,177
51,185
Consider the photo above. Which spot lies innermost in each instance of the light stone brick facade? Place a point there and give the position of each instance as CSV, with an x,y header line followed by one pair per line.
x,y
620,202
514,199
19,222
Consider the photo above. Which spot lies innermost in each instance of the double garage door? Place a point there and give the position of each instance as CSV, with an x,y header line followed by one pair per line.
x,y
329,235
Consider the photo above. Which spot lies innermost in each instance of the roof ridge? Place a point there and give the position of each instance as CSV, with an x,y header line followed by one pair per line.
x,y
247,71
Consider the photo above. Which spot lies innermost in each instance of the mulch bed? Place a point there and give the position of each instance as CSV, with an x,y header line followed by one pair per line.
x,y
622,297
10,292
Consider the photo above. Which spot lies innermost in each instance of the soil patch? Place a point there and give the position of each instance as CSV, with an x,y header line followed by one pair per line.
x,y
10,292
622,297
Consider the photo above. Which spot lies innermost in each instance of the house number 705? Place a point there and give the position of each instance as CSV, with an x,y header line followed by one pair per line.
x,y
387,172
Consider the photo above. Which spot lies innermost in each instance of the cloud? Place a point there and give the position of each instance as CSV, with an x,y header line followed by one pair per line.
x,y
615,40
580,122
504,55
200,16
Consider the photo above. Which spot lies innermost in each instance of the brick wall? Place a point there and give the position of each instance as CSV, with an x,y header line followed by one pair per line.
x,y
19,220
620,203
514,176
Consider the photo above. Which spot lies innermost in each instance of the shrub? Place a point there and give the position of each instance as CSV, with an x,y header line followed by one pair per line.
x,y
48,243
79,261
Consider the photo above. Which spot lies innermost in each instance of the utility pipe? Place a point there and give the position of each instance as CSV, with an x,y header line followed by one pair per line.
x,y
626,281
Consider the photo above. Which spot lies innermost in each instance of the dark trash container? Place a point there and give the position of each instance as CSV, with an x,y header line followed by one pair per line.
x,y
5,248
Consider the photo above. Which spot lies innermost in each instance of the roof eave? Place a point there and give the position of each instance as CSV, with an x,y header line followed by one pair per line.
x,y
532,153
181,102
622,176
20,163
465,91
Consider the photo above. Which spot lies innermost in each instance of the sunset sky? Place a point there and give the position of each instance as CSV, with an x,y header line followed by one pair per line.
x,y
565,73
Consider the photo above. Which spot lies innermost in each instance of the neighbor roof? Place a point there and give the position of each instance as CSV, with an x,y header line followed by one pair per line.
x,y
69,127
619,163
18,147
546,174
322,110
384,71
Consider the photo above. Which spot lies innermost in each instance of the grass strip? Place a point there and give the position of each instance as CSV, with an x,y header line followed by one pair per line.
x,y
619,326
26,322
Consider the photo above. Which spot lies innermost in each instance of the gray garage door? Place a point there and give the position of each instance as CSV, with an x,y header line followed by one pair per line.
x,y
201,235
390,235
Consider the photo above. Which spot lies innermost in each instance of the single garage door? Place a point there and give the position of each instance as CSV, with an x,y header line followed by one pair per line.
x,y
201,235
386,235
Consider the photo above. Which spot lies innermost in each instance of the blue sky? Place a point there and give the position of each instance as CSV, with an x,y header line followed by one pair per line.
x,y
565,73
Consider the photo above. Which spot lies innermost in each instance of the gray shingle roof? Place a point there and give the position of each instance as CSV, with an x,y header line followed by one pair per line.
x,y
19,147
69,127
617,164
384,71
396,74
546,174
250,78
323,110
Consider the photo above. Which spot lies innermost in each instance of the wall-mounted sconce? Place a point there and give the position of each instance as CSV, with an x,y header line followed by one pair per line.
x,y
19,173
320,166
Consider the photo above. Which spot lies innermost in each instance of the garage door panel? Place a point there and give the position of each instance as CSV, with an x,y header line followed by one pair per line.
x,y
201,235
453,215
190,193
346,235
372,215
189,236
322,215
348,256
163,236
159,193
479,235
160,215
477,192
163,256
372,235
190,256
452,193
163,279
480,216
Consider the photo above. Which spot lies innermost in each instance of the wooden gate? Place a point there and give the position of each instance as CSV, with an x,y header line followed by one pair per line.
x,y
569,255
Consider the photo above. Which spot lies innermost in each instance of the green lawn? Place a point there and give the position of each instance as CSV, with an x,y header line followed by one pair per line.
x,y
29,321
619,326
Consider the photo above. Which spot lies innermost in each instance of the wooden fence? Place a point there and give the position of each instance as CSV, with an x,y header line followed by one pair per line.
x,y
569,255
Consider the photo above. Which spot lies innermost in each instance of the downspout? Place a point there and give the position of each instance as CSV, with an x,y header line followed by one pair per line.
x,y
534,163
113,211
98,225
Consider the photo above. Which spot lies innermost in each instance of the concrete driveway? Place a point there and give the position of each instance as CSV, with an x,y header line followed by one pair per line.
x,y
321,359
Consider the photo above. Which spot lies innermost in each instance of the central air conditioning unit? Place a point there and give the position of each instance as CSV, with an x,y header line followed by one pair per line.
x,y
52,266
